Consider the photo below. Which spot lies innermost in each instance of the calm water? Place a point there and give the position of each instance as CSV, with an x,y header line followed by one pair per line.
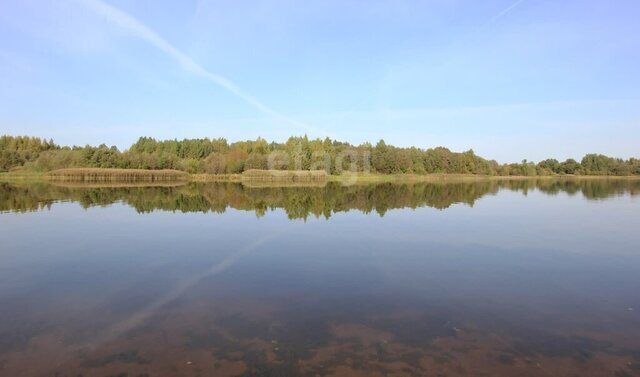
x,y
519,278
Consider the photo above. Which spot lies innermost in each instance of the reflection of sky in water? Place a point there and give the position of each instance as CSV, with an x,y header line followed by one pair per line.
x,y
512,264
560,223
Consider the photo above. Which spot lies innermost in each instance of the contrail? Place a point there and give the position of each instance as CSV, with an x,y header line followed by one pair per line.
x,y
142,315
503,12
140,30
139,317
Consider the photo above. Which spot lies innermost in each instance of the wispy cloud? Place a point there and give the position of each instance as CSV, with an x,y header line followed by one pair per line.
x,y
138,29
503,12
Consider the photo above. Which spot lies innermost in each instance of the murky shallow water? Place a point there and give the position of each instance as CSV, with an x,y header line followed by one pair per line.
x,y
522,278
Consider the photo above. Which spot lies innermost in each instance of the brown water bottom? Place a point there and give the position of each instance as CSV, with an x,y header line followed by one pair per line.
x,y
260,339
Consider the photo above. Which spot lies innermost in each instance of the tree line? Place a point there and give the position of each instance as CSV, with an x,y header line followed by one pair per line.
x,y
218,156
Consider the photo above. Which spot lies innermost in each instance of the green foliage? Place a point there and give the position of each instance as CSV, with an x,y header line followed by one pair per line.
x,y
570,166
217,156
597,164
256,160
550,164
15,151
214,164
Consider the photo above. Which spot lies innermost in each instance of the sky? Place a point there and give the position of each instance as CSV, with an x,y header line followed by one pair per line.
x,y
510,79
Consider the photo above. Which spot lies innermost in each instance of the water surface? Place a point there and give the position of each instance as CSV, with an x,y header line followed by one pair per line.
x,y
489,278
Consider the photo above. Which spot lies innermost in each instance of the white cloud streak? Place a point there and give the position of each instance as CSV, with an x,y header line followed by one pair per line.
x,y
138,318
503,12
137,29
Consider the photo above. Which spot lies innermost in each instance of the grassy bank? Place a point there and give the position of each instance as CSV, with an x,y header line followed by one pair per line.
x,y
22,176
409,178
258,177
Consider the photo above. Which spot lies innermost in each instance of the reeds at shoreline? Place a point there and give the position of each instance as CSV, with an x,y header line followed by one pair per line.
x,y
284,176
99,175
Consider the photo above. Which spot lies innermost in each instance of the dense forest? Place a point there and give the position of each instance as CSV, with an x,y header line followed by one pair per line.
x,y
218,156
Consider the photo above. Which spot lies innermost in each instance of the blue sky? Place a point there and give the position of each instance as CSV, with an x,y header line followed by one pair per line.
x,y
509,79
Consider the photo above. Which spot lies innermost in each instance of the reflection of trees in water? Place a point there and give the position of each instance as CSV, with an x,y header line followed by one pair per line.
x,y
298,202
591,188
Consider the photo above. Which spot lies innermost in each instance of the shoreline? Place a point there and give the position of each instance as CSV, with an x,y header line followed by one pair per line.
x,y
344,178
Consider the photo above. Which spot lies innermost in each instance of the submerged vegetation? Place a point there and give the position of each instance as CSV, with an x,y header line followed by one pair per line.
x,y
219,157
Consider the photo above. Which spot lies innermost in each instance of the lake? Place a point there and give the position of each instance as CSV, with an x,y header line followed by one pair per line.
x,y
483,278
